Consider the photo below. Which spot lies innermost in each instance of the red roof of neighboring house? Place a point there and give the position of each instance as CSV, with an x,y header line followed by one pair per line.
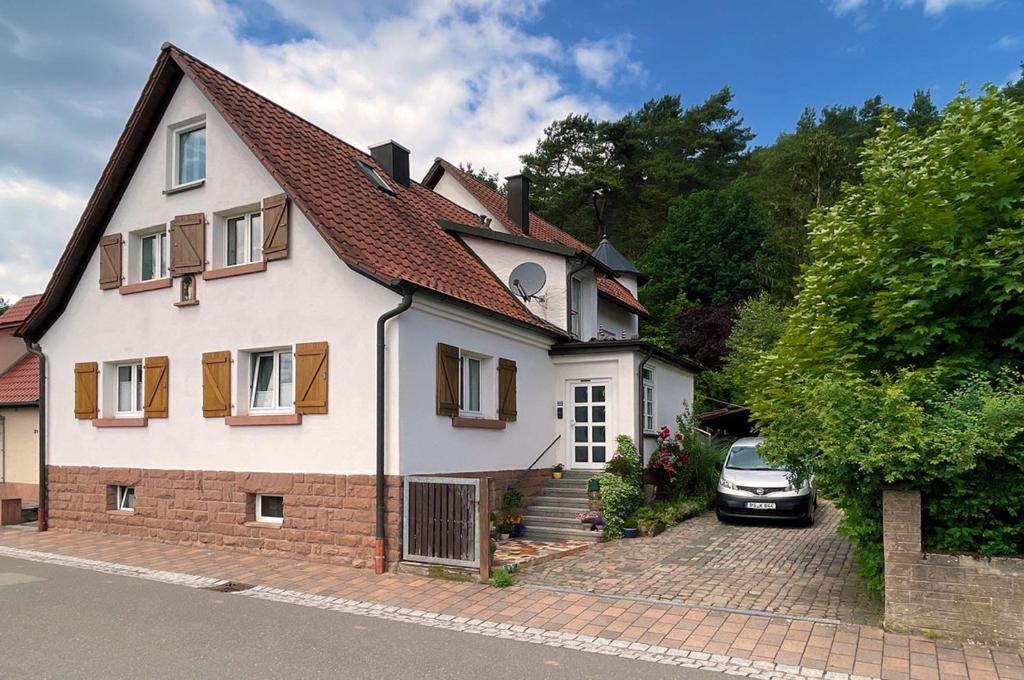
x,y
19,311
392,238
19,384
540,229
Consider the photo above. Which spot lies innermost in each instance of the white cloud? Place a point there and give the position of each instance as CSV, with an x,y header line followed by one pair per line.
x,y
932,7
465,79
1008,42
604,61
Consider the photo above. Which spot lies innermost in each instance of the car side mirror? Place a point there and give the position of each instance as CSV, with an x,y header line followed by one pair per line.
x,y
718,466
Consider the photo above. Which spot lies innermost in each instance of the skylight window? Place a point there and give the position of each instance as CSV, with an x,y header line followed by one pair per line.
x,y
374,177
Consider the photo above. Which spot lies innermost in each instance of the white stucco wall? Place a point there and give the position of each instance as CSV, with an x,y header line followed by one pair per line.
x,y
12,348
310,296
428,442
453,190
616,321
502,258
673,388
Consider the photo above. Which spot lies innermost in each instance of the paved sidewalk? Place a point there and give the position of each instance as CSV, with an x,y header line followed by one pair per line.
x,y
766,567
771,646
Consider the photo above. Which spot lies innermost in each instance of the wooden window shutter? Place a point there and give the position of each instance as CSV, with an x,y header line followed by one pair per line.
x,y
507,390
216,384
275,227
188,244
110,261
154,382
85,390
311,377
447,380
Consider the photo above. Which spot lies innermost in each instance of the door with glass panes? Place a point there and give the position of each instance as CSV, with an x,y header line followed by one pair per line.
x,y
588,426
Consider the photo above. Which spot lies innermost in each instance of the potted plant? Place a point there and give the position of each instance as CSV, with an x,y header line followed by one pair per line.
x,y
556,471
504,530
629,529
591,517
518,528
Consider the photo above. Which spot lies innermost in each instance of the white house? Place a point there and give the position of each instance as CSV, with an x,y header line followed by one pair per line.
x,y
254,323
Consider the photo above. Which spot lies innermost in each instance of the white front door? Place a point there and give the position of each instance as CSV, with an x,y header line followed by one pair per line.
x,y
588,425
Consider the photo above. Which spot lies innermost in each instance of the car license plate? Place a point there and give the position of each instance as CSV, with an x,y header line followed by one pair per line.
x,y
760,506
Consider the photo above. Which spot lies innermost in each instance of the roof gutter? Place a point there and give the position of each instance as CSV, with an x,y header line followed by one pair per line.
x,y
41,517
380,540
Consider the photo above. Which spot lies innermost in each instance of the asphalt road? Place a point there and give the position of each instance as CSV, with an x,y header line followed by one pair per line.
x,y
60,622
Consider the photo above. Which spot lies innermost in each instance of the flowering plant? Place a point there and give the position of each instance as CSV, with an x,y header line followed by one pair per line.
x,y
669,462
514,519
590,516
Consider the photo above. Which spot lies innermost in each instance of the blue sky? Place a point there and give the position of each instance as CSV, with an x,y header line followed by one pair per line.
x,y
779,57
470,80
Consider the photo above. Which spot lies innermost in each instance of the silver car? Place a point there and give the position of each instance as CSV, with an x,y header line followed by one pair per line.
x,y
750,487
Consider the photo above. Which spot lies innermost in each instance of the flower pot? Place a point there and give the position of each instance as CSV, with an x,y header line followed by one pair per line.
x,y
593,485
503,537
599,527
518,530
630,533
556,475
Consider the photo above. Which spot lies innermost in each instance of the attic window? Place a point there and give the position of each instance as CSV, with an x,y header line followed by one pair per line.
x,y
375,177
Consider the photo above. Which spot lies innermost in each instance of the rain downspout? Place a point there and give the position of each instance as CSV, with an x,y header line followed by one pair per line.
x,y
640,407
41,520
380,544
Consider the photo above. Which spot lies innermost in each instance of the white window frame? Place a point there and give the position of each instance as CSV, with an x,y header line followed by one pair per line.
x,y
137,391
246,219
465,358
575,307
175,139
650,400
277,406
122,498
160,255
260,517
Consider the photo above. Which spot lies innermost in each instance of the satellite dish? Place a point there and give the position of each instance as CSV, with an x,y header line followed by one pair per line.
x,y
527,279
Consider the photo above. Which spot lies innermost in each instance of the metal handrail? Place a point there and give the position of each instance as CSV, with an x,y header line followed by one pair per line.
x,y
522,475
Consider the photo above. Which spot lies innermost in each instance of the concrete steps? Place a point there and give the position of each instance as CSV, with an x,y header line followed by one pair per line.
x,y
552,515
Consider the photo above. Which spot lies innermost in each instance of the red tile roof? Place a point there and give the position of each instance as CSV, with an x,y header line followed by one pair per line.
x,y
540,229
19,311
19,384
392,238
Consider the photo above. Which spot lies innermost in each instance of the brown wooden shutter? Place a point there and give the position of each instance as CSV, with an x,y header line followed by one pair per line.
x,y
275,227
188,244
311,377
507,390
216,384
154,382
85,390
447,380
110,261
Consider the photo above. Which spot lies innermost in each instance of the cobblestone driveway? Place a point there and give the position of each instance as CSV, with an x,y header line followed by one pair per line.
x,y
763,567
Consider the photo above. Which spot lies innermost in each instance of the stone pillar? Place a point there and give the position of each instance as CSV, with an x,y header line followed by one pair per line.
x,y
901,536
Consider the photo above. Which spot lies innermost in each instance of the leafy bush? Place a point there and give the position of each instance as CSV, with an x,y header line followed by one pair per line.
x,y
512,499
675,511
621,493
502,579
684,464
758,327
887,372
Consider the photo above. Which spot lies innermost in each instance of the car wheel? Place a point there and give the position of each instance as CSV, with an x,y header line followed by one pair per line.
x,y
721,518
809,520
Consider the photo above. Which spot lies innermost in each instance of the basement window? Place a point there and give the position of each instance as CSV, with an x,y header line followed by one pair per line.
x,y
375,177
269,508
126,498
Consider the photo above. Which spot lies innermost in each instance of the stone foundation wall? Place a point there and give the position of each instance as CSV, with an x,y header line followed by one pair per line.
x,y
531,484
957,596
326,517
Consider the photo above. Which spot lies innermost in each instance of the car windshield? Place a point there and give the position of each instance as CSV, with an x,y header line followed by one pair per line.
x,y
747,458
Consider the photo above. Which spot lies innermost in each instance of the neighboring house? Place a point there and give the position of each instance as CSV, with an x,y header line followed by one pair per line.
x,y
212,348
19,410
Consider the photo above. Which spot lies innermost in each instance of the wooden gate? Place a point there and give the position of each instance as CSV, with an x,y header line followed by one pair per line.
x,y
446,521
